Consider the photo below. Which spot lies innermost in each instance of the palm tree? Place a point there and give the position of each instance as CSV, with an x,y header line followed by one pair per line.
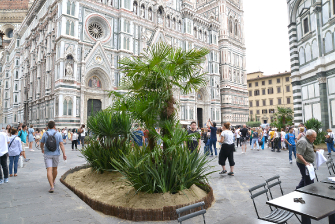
x,y
151,80
283,117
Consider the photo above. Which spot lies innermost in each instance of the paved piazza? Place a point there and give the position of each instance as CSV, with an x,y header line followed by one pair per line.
x,y
25,199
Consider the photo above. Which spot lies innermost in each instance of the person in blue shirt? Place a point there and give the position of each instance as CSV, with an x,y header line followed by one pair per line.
x,y
213,139
14,151
51,159
23,135
139,137
291,141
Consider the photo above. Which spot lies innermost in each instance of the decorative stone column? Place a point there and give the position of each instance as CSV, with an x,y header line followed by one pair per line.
x,y
323,100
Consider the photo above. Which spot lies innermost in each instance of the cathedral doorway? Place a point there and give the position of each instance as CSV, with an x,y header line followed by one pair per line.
x,y
93,106
200,116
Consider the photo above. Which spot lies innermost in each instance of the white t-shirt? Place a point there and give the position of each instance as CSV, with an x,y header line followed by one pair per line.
x,y
265,133
228,137
83,133
237,133
74,136
3,143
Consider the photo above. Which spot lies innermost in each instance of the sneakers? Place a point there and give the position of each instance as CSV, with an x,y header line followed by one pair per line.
x,y
26,160
6,180
290,161
31,150
1,181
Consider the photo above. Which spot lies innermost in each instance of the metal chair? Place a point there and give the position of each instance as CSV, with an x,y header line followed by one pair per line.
x,y
191,215
272,184
276,215
330,166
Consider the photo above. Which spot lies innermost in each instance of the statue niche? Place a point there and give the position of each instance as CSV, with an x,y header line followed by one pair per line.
x,y
69,66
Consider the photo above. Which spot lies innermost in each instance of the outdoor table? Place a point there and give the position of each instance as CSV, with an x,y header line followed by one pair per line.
x,y
328,181
318,189
315,207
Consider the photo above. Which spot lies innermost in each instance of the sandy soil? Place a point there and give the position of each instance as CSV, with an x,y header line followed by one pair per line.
x,y
111,188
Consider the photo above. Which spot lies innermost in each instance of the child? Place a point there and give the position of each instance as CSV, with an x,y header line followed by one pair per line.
x,y
14,151
74,139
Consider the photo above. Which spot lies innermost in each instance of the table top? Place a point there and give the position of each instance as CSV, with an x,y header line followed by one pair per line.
x,y
328,181
319,189
315,207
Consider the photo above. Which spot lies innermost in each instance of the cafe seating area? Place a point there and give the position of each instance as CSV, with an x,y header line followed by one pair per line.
x,y
315,201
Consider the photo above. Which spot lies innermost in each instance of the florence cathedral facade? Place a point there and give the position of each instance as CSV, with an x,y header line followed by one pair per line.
x,y
62,60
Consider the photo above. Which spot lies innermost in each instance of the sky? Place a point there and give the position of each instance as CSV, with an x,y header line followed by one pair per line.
x,y
266,36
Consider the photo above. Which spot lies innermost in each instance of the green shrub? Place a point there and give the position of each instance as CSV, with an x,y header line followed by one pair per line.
x,y
170,170
253,124
316,125
100,157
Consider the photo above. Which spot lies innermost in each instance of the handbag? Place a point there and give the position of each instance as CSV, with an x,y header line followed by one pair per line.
x,y
329,140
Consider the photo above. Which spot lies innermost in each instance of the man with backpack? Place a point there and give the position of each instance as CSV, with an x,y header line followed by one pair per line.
x,y
50,143
23,136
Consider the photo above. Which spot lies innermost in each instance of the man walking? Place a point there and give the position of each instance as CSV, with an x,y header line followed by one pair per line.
x,y
291,140
238,136
3,157
244,133
213,139
23,135
194,143
50,143
305,156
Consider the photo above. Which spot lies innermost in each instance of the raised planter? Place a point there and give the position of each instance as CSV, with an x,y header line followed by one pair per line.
x,y
162,214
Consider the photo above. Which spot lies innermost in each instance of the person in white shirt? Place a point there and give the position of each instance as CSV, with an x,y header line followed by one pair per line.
x,y
3,157
14,151
74,139
238,136
227,149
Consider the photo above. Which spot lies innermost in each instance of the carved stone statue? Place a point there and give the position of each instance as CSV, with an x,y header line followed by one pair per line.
x,y
69,70
150,14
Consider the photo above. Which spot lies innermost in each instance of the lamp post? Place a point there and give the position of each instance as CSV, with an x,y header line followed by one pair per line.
x,y
1,38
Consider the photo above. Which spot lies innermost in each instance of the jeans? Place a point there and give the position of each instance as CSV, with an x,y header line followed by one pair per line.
x,y
238,141
213,142
3,164
305,180
330,146
15,160
290,149
82,141
255,140
206,148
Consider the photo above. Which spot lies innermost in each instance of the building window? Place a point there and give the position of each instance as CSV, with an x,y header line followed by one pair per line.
x,y
287,79
263,83
15,87
250,103
279,101
278,90
126,26
71,7
69,107
126,43
264,102
288,100
250,84
263,91
69,28
270,82
251,112
256,93
17,75
278,80
271,102
305,25
264,111
126,4
270,90
257,103
6,85
271,111
287,88
15,99
256,83
250,93
257,111
65,107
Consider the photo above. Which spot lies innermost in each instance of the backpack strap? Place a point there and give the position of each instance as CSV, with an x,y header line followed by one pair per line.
x,y
11,142
47,133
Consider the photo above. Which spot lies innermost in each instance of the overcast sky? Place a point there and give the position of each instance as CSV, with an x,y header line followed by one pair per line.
x,y
266,36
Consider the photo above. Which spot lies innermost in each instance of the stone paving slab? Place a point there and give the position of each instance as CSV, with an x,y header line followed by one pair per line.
x,y
25,199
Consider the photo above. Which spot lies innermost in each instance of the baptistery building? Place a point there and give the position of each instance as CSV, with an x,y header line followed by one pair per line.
x,y
311,32
62,61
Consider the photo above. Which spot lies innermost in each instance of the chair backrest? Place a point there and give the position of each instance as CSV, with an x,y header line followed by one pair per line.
x,y
330,166
254,195
193,214
274,181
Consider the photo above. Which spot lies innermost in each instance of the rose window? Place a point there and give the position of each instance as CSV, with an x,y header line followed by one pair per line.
x,y
95,30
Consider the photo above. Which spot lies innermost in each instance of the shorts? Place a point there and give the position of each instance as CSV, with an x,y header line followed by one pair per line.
x,y
243,140
64,137
51,161
23,146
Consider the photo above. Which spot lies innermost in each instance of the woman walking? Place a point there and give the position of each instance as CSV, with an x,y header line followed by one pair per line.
x,y
302,132
330,141
31,137
74,139
14,152
254,139
8,128
227,149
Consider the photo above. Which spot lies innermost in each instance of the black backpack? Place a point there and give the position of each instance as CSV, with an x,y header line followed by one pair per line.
x,y
51,143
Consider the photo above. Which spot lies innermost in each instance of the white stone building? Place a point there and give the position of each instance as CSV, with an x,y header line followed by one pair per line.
x,y
312,50
62,60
